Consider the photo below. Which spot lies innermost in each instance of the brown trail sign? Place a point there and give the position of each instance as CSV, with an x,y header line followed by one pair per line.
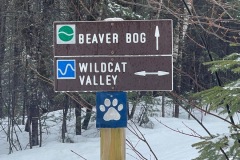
x,y
148,37
113,56
113,73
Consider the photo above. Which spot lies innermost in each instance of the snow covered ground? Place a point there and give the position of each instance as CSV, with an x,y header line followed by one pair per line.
x,y
166,144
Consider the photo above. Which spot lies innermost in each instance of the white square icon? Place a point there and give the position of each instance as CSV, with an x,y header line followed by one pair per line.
x,y
66,34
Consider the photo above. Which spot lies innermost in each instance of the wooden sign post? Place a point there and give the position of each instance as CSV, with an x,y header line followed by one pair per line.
x,y
113,145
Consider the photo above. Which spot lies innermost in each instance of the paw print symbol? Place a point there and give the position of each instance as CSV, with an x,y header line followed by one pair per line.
x,y
111,109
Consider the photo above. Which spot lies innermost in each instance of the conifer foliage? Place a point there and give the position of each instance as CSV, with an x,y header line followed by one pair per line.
x,y
219,97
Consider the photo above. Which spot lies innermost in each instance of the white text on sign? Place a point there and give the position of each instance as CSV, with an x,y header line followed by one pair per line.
x,y
110,38
92,73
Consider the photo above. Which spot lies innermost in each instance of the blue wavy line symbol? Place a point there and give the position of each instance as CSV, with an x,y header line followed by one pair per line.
x,y
66,69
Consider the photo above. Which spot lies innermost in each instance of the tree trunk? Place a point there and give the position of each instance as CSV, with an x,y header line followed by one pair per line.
x,y
25,96
35,114
87,118
2,53
163,104
133,110
78,120
28,122
64,124
179,47
135,101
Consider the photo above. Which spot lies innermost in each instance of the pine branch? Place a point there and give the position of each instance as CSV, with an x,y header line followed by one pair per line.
x,y
223,152
173,94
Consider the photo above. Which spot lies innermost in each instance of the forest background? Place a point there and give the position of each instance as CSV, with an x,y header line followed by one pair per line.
x,y
206,61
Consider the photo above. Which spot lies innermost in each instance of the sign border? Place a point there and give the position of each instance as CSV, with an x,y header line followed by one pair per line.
x,y
55,23
114,88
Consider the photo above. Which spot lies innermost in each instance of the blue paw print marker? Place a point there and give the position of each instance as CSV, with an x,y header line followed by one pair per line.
x,y
111,110
66,69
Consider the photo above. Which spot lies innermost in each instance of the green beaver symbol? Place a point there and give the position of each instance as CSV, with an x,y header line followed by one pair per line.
x,y
65,33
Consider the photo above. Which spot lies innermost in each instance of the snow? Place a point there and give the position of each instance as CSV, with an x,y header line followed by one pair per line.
x,y
113,19
165,143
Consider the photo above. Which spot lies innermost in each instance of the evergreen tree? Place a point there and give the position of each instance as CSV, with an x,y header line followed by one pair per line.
x,y
219,97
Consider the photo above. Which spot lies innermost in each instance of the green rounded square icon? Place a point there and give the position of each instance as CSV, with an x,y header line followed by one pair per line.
x,y
66,34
